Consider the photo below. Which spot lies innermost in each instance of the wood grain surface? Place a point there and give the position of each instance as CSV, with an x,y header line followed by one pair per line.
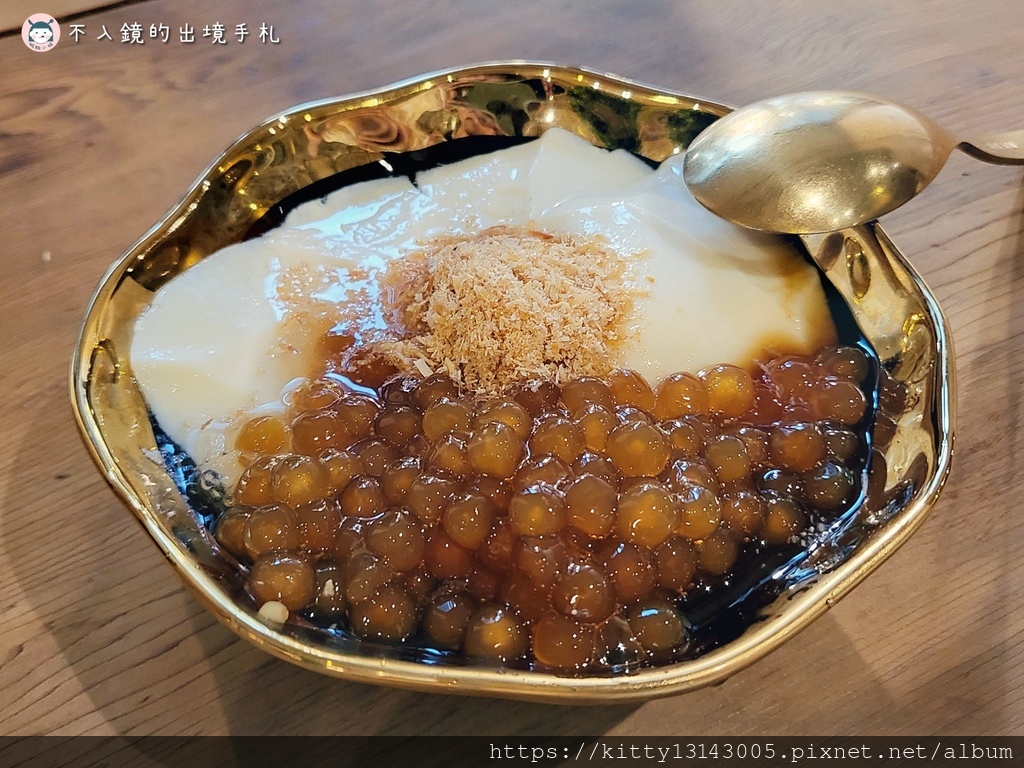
x,y
97,141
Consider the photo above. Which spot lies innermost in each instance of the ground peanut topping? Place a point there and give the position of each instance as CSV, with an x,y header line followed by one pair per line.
x,y
507,304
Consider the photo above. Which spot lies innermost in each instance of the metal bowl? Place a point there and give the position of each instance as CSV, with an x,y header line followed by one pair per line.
x,y
912,434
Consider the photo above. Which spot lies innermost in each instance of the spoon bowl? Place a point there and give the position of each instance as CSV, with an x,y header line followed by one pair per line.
x,y
822,161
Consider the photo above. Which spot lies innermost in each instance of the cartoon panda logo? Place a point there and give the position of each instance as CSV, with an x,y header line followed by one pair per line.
x,y
40,32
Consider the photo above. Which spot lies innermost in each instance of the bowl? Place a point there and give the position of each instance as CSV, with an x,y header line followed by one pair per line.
x,y
912,433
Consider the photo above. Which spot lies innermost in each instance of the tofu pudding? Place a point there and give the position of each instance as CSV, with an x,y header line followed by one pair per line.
x,y
526,407
704,291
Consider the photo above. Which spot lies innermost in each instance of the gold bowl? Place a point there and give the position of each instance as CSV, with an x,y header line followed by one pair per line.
x,y
912,434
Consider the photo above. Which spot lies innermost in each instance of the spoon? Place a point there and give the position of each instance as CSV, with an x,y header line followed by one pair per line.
x,y
824,160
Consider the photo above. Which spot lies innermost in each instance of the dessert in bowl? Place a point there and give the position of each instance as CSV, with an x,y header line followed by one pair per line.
x,y
596,479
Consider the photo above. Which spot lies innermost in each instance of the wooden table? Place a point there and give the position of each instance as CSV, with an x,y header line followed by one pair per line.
x,y
98,139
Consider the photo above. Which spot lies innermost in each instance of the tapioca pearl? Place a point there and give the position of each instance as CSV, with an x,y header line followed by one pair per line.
x,y
542,469
700,511
537,510
597,465
561,642
842,444
398,477
272,528
389,615
537,396
399,390
467,520
743,512
398,424
784,520
782,482
685,472
797,447
829,485
445,559
449,455
705,425
838,400
647,514
631,570
230,530
595,422
397,538
849,363
676,560
630,388
358,413
494,632
558,436
638,450
769,408
266,435
315,431
684,440
718,552
626,414
318,524
728,458
363,497
584,593
657,624
590,506
314,395
375,453
446,416
444,622
586,391
255,485
792,377
616,646
342,467
528,600
298,480
434,389
494,450
509,413
350,538
429,494
730,390
541,559
680,394
756,442
282,577
364,574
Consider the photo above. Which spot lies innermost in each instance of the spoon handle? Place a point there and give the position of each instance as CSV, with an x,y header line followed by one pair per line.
x,y
1006,148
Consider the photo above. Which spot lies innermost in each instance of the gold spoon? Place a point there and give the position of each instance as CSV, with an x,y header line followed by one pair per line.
x,y
824,160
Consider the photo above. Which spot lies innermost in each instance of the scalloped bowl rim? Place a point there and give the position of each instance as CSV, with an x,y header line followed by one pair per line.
x,y
710,668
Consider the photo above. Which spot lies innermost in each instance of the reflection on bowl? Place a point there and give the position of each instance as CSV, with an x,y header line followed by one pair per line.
x,y
911,438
